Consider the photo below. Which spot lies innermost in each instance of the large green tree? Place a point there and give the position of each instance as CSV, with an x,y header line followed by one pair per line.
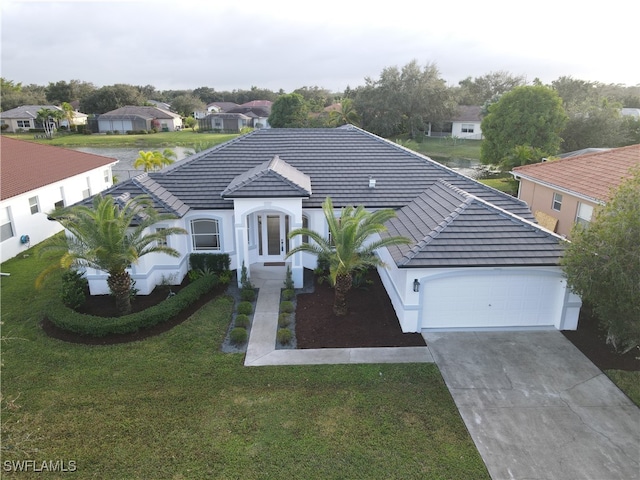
x,y
111,97
289,111
71,91
602,264
404,100
345,115
109,236
530,116
349,247
186,105
479,90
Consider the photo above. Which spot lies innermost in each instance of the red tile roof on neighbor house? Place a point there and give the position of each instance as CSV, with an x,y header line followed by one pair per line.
x,y
591,175
25,166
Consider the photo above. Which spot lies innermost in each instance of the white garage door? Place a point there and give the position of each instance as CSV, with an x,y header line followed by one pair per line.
x,y
493,299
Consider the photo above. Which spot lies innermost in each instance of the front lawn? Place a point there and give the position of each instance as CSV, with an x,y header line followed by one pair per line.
x,y
174,406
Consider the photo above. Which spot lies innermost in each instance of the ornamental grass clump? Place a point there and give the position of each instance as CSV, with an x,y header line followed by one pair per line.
x,y
238,335
245,307
284,336
284,320
242,320
286,307
288,294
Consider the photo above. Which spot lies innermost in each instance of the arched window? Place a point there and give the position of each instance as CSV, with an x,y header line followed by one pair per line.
x,y
205,234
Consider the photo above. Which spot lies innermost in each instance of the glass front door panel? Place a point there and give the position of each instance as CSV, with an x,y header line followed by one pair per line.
x,y
273,234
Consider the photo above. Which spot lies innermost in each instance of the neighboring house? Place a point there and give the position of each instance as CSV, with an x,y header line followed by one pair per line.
x,y
224,122
161,105
25,118
566,191
132,118
221,106
476,259
631,112
258,111
38,178
465,124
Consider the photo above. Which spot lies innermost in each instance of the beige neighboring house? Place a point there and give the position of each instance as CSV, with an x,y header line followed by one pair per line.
x,y
131,118
24,118
564,192
37,179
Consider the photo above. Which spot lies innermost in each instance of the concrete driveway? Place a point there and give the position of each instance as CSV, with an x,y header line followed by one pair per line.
x,y
537,408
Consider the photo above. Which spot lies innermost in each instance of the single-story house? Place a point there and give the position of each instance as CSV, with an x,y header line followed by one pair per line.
x,y
257,110
224,122
131,118
565,191
38,178
465,123
25,118
477,259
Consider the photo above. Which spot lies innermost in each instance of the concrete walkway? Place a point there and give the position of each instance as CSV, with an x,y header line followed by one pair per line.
x,y
261,349
537,408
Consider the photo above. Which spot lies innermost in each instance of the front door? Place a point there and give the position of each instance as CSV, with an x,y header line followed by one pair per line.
x,y
273,229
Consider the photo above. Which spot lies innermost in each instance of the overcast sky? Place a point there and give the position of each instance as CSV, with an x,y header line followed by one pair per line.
x,y
274,44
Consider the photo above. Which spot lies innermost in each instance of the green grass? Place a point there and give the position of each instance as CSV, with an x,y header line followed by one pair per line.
x,y
174,406
506,184
628,382
444,147
183,138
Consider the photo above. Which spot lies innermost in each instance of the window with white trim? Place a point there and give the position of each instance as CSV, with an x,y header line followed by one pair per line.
x,y
557,202
23,123
585,212
34,205
305,224
205,234
86,193
467,128
6,226
162,242
107,177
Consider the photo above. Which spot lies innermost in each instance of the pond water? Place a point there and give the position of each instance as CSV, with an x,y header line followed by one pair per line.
x,y
124,170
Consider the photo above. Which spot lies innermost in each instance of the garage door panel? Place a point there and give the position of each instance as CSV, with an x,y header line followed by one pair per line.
x,y
491,300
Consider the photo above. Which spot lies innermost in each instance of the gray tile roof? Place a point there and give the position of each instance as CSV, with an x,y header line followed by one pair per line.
x,y
144,112
451,228
26,111
452,219
275,178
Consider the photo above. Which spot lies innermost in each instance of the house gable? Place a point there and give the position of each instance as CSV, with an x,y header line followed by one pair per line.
x,y
275,178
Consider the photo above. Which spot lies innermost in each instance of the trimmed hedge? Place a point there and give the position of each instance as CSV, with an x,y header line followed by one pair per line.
x,y
214,262
68,319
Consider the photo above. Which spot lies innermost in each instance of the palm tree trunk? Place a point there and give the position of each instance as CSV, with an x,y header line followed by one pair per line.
x,y
343,285
120,285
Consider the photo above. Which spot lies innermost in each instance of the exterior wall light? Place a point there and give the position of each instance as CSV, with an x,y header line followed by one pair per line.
x,y
416,285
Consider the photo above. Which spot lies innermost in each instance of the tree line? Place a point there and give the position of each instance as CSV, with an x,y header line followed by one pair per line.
x,y
400,101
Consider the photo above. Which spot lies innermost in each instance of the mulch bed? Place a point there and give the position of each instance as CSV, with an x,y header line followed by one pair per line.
x,y
371,322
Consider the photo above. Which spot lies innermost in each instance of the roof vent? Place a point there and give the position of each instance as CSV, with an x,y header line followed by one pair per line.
x,y
372,182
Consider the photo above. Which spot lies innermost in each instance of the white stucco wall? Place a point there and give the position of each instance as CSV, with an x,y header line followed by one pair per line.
x,y
36,226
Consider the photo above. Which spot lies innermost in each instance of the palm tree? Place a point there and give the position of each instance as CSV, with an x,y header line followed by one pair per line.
x,y
348,248
111,237
346,114
152,161
49,119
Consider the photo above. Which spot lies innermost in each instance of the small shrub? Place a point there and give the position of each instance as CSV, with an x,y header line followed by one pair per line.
x,y
248,294
74,289
245,282
238,335
242,320
288,282
284,320
284,336
288,294
286,307
245,307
